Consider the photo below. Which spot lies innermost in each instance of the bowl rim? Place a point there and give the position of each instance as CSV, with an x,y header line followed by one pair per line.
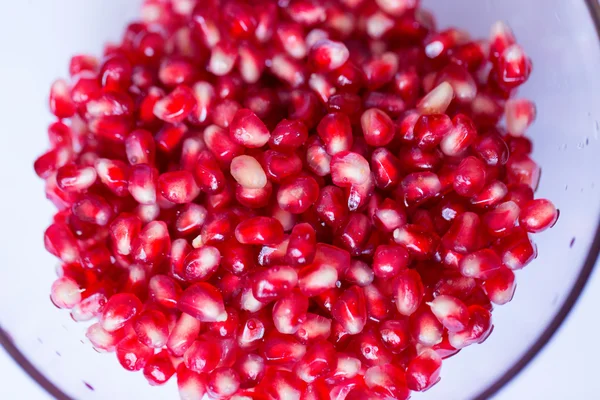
x,y
593,7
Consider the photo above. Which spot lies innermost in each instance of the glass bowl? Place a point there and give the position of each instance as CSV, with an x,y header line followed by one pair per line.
x,y
560,36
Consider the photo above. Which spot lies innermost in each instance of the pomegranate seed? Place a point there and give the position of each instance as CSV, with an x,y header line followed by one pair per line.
x,y
350,310
513,67
522,169
60,242
409,291
201,263
385,168
102,340
61,104
250,368
151,328
354,232
120,309
380,70
420,186
70,178
348,168
469,178
65,293
191,218
288,135
502,219
248,130
204,302
203,356
387,381
377,127
51,161
298,194
317,362
395,334
152,243
421,243
133,355
123,230
492,149
430,130
248,172
288,70
177,106
480,264
272,283
500,287
437,100
451,312
183,334
538,215
281,349
520,114
140,147
336,132
370,349
389,260
289,312
191,385
178,187
88,308
208,175
479,328
491,195
302,246
164,291
424,371
359,273
464,233
460,137
159,369
259,230
312,328
501,37
279,166
517,250
317,278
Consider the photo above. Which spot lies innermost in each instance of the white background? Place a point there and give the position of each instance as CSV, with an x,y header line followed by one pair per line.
x,y
565,369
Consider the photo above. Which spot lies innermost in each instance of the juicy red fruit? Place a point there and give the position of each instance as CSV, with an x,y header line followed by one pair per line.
x,y
272,206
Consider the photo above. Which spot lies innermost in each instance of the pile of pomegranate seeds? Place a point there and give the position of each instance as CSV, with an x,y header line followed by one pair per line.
x,y
291,200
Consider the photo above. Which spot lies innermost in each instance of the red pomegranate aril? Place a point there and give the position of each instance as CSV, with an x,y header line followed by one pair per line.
x,y
502,219
65,293
289,312
408,291
513,67
312,328
302,245
61,104
250,368
490,196
133,355
350,310
317,278
223,383
92,209
151,328
370,349
353,233
142,183
273,254
359,273
123,231
272,283
279,166
254,198
248,130
298,194
395,334
387,381
492,149
378,128
464,233
259,231
469,178
164,291
51,161
437,100
377,304
318,160
177,106
191,385
87,308
191,218
70,178
278,349
120,309
201,263
327,55
203,356
420,242
348,168
60,242
159,369
516,250
501,37
288,135
538,215
183,334
520,114
430,130
317,362
460,137
480,264
419,187
479,328
248,172
451,312
209,176
140,147
500,287
389,215
204,302
178,187
425,328
336,132
152,243
389,260
104,341
424,371
385,168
